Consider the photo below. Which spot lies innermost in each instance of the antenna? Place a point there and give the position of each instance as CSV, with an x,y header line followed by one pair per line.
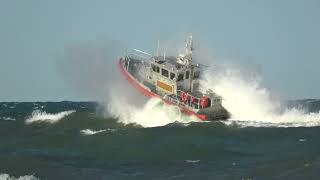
x,y
189,47
187,58
158,48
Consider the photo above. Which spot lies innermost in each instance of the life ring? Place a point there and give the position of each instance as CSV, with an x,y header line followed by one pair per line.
x,y
184,96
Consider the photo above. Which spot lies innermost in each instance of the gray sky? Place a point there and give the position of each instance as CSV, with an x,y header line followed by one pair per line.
x,y
280,36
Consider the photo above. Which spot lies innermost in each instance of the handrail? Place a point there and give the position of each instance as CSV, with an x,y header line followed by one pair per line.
x,y
139,53
137,50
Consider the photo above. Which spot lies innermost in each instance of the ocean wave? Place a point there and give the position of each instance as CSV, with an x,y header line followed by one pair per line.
x,y
26,177
42,116
7,118
91,132
192,161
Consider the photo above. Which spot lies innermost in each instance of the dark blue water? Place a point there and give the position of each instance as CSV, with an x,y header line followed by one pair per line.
x,y
60,144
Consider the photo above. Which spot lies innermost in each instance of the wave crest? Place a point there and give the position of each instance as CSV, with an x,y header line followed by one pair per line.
x,y
42,116
91,132
7,118
26,177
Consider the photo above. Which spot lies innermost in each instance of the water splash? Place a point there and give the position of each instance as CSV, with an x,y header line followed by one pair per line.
x,y
250,104
42,116
154,113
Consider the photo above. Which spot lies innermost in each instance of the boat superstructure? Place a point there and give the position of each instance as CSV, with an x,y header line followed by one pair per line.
x,y
174,79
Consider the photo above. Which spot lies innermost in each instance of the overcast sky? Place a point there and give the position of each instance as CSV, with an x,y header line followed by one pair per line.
x,y
280,36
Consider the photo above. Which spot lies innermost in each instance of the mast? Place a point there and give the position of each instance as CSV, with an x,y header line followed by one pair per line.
x,y
189,49
186,58
158,48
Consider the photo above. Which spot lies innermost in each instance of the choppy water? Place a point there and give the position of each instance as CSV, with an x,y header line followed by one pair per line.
x,y
73,140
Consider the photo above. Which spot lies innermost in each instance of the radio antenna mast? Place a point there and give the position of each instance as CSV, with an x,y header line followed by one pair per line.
x,y
158,48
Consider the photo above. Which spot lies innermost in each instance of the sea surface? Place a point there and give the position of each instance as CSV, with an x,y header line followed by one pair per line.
x,y
77,140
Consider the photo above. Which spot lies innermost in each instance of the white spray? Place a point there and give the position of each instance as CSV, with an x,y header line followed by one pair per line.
x,y
153,113
251,104
41,116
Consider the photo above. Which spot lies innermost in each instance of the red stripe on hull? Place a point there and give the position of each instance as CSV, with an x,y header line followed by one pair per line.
x,y
150,94
133,83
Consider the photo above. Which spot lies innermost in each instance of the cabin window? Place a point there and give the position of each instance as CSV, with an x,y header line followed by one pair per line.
x,y
187,74
196,75
153,67
164,72
172,75
180,77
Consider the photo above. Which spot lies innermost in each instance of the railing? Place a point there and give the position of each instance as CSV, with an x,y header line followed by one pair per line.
x,y
138,53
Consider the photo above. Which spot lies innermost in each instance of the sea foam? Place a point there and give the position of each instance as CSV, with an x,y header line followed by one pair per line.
x,y
26,177
42,116
7,118
91,132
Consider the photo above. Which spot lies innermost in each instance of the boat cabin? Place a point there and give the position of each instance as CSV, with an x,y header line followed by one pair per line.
x,y
170,76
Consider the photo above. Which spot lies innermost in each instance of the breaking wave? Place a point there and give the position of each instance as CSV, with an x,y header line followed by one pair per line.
x,y
7,118
91,132
154,113
42,116
250,104
26,177
192,161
